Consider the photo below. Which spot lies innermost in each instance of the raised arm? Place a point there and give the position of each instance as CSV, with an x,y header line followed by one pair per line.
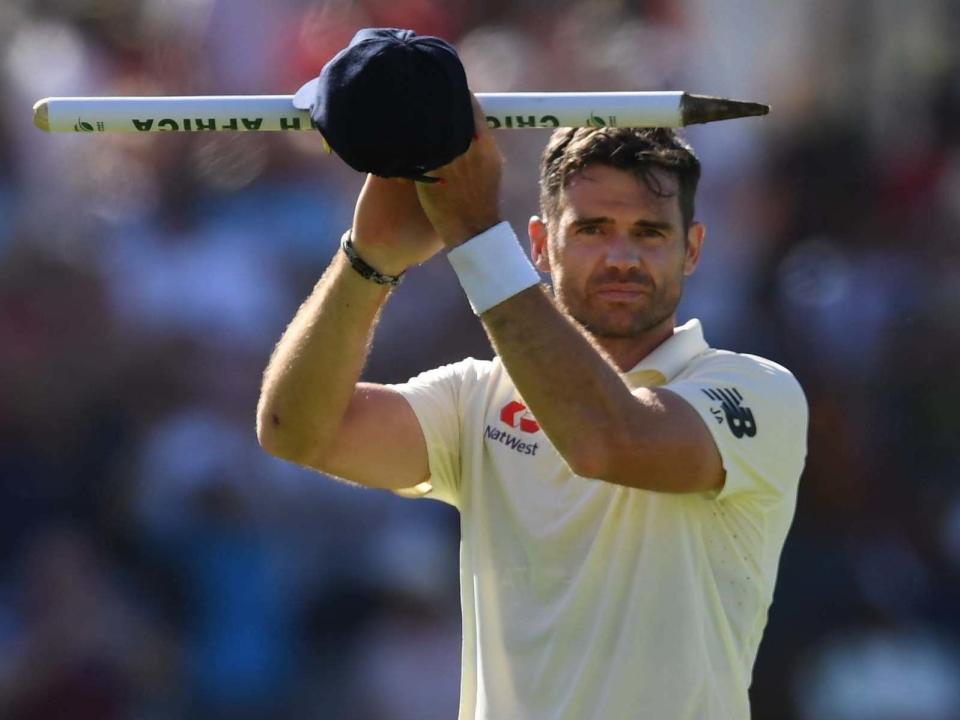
x,y
650,438
312,409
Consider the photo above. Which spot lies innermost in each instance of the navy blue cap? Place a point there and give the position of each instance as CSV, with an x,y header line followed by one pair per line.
x,y
392,103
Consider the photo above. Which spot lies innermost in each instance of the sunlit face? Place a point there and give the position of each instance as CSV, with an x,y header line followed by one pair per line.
x,y
617,252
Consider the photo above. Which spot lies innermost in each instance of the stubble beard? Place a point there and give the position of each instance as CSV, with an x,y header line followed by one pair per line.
x,y
602,323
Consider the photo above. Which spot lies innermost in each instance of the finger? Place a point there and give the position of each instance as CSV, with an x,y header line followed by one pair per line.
x,y
392,185
481,132
430,179
394,182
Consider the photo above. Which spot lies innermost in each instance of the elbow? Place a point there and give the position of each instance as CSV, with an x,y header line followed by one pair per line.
x,y
276,439
269,433
266,431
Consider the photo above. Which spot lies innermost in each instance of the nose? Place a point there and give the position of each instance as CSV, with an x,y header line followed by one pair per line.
x,y
623,253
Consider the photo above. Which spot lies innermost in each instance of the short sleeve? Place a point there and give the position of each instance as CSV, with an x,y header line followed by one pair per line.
x,y
757,414
435,397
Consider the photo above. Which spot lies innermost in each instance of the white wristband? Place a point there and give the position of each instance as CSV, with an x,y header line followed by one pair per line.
x,y
492,267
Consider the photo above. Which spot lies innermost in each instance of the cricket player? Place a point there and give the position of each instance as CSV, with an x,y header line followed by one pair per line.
x,y
624,489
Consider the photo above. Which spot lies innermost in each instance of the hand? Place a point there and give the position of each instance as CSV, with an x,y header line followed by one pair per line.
x,y
467,200
390,230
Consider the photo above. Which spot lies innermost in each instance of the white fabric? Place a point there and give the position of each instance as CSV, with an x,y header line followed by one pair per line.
x,y
582,599
492,267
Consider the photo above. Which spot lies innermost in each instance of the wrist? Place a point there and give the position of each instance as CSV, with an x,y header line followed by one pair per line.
x,y
492,267
458,235
379,255
360,263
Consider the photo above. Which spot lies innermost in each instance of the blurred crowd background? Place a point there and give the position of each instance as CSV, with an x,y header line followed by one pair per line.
x,y
155,563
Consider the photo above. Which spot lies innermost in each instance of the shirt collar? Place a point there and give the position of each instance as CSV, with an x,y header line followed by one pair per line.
x,y
674,353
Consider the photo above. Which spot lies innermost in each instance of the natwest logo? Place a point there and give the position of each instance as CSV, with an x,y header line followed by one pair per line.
x,y
516,415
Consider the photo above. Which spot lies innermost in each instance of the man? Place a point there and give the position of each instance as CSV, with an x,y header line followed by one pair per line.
x,y
624,490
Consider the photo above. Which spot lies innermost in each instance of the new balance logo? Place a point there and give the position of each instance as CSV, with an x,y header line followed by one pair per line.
x,y
739,418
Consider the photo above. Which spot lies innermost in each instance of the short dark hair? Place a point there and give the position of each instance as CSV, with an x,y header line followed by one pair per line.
x,y
636,150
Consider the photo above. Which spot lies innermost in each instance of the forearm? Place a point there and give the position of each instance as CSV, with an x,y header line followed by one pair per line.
x,y
315,367
579,399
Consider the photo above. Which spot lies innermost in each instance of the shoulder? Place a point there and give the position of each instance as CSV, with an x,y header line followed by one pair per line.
x,y
757,414
713,358
756,374
747,393
469,366
464,373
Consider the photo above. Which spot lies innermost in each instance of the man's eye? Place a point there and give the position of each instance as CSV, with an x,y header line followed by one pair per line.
x,y
650,233
589,230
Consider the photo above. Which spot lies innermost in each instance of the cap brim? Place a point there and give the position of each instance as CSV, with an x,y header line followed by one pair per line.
x,y
306,96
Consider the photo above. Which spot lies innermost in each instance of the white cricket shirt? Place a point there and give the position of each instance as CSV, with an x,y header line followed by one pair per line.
x,y
583,599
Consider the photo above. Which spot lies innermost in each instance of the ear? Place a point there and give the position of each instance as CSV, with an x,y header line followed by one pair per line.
x,y
537,229
695,237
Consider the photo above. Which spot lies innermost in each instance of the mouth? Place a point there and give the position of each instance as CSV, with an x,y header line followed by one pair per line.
x,y
620,292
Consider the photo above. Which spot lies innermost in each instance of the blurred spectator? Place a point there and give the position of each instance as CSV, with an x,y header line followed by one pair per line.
x,y
406,662
898,674
80,649
240,614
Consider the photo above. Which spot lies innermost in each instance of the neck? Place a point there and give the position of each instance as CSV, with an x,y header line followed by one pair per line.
x,y
626,352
